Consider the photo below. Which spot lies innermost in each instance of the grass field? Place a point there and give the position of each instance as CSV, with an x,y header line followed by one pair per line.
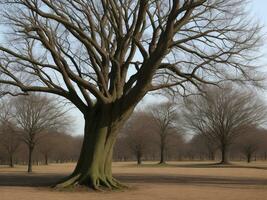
x,y
179,181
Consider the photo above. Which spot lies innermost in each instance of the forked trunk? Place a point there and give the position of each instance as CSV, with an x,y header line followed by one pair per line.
x,y
93,168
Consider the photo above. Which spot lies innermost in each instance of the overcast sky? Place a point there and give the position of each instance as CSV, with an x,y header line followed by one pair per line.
x,y
259,10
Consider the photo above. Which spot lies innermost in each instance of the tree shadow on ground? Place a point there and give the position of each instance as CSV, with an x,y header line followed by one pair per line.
x,y
29,180
46,180
218,165
202,165
192,180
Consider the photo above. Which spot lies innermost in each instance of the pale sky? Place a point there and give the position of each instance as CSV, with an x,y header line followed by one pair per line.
x,y
259,11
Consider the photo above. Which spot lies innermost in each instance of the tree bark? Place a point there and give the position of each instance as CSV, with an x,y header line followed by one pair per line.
x,y
11,163
162,153
248,158
94,167
46,159
139,158
224,152
30,159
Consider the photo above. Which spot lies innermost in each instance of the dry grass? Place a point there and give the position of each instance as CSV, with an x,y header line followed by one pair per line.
x,y
181,181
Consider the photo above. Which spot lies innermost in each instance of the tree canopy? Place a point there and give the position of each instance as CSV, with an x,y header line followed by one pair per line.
x,y
110,50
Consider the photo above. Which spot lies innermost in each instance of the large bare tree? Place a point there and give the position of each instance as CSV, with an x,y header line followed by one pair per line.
x,y
223,115
105,56
35,115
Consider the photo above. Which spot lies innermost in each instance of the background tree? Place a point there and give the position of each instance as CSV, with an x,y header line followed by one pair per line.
x,y
222,115
105,56
203,146
174,146
9,139
121,149
138,134
263,144
35,115
166,119
47,145
249,143
67,149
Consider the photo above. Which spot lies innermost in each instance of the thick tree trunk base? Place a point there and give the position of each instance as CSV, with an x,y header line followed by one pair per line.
x,y
94,167
95,182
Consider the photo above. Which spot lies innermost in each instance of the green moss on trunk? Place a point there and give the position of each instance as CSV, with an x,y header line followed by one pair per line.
x,y
94,167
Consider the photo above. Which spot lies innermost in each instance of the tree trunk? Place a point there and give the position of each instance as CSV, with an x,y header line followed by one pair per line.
x,y
139,158
11,163
30,159
248,158
162,153
93,168
46,159
224,152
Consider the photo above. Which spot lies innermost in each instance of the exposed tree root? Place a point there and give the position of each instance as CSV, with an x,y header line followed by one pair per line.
x,y
97,183
68,182
119,184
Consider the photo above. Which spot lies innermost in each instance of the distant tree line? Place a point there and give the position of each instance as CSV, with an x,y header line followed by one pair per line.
x,y
31,126
225,124
137,145
56,147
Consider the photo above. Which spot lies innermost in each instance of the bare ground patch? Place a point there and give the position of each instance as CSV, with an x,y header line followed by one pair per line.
x,y
147,182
